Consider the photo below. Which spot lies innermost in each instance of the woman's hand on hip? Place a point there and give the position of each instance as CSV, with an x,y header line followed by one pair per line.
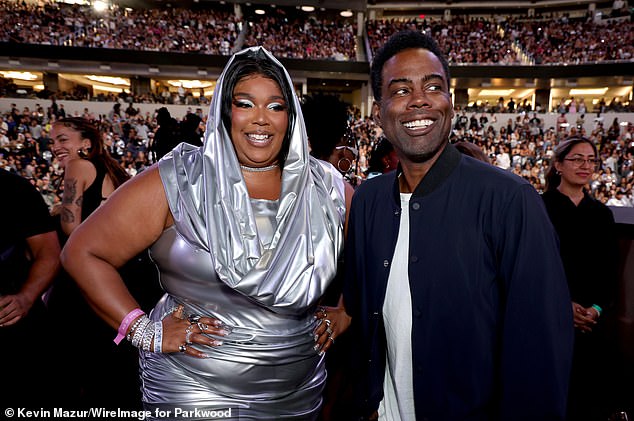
x,y
181,331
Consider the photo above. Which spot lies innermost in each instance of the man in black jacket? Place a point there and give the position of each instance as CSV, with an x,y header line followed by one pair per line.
x,y
454,283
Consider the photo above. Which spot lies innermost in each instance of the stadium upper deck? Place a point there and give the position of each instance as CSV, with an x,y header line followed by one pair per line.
x,y
495,48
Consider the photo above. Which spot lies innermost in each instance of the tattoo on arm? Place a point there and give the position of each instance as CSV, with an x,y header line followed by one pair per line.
x,y
71,196
67,215
70,191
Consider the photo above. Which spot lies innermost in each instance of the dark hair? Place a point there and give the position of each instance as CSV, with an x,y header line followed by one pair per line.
x,y
326,119
251,63
561,151
163,116
97,153
382,149
398,42
472,150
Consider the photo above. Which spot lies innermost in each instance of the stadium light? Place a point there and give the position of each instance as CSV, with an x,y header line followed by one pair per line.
x,y
308,8
100,6
190,84
109,79
496,92
346,13
582,92
19,75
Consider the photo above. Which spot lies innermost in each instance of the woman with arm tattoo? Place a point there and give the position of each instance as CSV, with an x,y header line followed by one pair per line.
x,y
105,376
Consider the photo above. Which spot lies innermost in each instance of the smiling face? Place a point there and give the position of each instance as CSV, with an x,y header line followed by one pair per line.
x,y
575,175
66,143
259,119
415,111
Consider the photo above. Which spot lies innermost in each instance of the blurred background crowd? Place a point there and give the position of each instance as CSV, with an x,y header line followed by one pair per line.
x,y
515,134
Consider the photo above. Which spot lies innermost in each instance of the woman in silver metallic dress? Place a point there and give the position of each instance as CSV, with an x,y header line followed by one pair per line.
x,y
246,232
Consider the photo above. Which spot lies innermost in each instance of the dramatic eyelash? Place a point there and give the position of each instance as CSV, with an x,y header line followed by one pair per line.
x,y
242,102
277,106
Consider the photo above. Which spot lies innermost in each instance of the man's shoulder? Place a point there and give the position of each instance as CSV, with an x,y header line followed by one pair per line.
x,y
14,182
379,184
376,188
481,173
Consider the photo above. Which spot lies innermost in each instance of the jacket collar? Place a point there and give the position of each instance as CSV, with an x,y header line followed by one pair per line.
x,y
438,173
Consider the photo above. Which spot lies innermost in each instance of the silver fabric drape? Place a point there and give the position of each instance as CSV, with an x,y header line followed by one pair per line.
x,y
210,204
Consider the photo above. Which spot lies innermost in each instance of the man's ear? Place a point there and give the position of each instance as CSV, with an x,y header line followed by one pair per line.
x,y
376,112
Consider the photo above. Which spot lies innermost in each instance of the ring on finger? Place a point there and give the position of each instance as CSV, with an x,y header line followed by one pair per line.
x,y
327,322
332,339
188,337
182,348
329,331
193,318
202,326
178,312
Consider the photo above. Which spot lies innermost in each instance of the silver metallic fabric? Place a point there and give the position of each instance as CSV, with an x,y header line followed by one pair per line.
x,y
257,265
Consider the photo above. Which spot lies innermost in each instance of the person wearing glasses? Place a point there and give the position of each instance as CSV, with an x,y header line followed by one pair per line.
x,y
588,248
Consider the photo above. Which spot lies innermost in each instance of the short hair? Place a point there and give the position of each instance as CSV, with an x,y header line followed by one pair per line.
x,y
251,63
400,41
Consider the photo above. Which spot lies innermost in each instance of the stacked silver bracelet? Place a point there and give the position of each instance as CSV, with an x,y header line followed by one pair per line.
x,y
148,334
133,328
142,334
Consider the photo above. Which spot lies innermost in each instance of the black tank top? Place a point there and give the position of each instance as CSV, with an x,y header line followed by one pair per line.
x,y
92,195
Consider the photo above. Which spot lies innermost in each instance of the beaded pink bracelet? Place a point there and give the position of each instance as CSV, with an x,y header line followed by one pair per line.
x,y
125,324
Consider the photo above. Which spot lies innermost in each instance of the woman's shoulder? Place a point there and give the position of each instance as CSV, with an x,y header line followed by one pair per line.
x,y
596,204
79,164
143,191
80,169
551,194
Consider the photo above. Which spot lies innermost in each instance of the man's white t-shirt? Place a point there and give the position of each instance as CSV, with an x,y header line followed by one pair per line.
x,y
398,384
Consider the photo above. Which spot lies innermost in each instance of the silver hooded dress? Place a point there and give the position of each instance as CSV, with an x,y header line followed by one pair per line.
x,y
259,266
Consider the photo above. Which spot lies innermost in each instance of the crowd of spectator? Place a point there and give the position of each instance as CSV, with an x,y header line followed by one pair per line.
x,y
523,146
303,38
170,30
555,40
464,40
570,105
573,41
